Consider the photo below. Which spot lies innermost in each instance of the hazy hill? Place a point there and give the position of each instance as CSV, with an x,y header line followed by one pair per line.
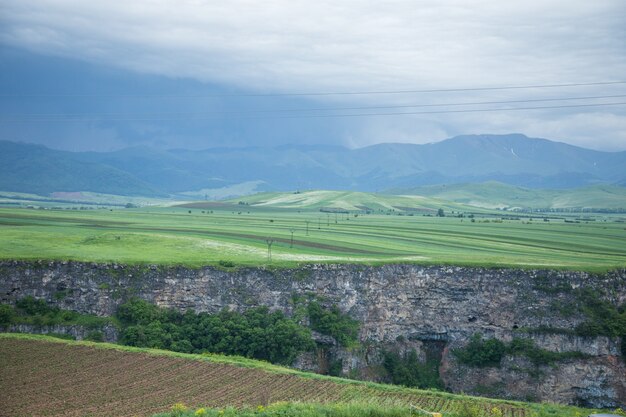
x,y
513,159
39,170
494,194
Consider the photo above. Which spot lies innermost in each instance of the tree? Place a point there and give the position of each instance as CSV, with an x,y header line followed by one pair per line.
x,y
7,315
440,213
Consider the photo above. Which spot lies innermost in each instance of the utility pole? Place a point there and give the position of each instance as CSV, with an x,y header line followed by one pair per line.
x,y
327,219
269,242
319,222
291,230
307,226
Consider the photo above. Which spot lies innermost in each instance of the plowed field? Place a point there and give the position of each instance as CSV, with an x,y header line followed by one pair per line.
x,y
41,377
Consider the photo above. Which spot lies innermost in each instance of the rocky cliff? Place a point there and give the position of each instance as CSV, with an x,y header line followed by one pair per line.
x,y
433,310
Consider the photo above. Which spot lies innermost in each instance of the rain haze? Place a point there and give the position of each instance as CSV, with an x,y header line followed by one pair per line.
x,y
107,75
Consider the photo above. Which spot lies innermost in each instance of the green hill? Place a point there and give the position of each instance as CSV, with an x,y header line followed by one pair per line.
x,y
498,195
221,172
351,201
37,170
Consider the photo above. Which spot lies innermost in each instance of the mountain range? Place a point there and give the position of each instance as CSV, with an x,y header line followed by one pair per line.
x,y
511,159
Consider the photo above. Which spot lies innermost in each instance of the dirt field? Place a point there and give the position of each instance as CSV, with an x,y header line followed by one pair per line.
x,y
42,378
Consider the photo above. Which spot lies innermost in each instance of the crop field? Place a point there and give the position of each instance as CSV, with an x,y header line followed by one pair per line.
x,y
495,194
207,233
109,380
352,201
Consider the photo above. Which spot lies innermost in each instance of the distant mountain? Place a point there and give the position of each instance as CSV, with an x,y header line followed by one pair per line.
x,y
39,170
513,159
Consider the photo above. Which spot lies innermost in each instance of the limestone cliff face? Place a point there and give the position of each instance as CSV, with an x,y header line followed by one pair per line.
x,y
399,306
109,333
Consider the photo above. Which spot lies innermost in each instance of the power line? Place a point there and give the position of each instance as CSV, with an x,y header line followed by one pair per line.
x,y
336,93
332,115
471,110
103,115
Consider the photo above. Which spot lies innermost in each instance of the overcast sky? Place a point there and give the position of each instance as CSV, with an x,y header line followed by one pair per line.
x,y
131,68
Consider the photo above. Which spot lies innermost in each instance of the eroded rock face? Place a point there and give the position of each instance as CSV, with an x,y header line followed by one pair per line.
x,y
108,333
398,305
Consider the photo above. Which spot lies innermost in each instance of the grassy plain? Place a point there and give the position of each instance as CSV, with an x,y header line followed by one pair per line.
x,y
206,233
352,201
494,194
99,379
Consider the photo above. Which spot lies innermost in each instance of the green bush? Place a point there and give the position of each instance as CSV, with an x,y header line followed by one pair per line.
x,y
137,311
7,315
538,356
29,310
407,370
333,322
603,318
226,264
258,333
32,306
481,353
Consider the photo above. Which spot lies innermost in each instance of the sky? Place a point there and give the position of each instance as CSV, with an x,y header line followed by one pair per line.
x,y
103,75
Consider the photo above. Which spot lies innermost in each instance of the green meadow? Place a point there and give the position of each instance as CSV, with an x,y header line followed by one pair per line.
x,y
494,194
236,233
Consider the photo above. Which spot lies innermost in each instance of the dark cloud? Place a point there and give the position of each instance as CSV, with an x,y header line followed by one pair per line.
x,y
293,46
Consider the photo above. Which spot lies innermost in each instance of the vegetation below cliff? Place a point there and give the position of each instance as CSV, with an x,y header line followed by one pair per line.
x,y
256,333
39,313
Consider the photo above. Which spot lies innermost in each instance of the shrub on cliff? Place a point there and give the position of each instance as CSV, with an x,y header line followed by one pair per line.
x,y
7,315
538,356
331,321
604,318
480,353
137,311
30,310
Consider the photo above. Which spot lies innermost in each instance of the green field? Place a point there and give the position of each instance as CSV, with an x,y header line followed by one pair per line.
x,y
494,194
352,201
76,199
208,232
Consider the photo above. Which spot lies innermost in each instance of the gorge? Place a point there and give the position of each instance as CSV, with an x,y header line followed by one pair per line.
x,y
433,310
